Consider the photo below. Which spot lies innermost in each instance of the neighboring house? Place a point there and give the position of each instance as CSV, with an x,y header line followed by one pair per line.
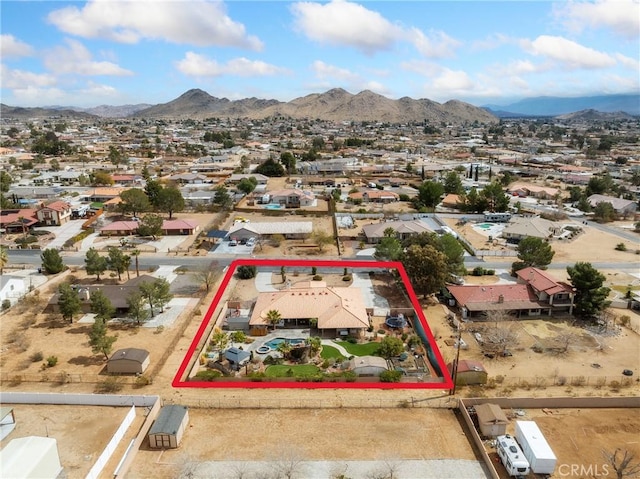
x,y
179,227
337,311
237,177
293,198
18,221
120,228
290,229
102,195
491,419
375,196
34,192
127,180
128,361
475,300
469,372
54,214
189,178
11,288
557,294
169,427
452,201
621,206
540,192
403,230
368,365
534,226
117,294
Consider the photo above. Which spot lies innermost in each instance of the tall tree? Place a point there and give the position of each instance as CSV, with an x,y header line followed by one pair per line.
x,y
101,306
429,194
591,295
137,307
322,239
288,161
152,189
247,185
134,201
170,200
534,252
99,340
101,178
389,249
453,183
157,294
94,263
426,268
68,302
52,261
117,261
274,317
390,347
222,197
495,196
151,225
5,181
270,168
446,244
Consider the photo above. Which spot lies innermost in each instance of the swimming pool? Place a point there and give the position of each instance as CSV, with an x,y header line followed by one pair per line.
x,y
485,226
272,206
274,343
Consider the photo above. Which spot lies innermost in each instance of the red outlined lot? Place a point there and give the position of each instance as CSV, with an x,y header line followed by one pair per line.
x,y
179,379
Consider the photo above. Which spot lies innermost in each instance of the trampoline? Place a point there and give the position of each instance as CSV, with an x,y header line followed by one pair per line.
x,y
398,321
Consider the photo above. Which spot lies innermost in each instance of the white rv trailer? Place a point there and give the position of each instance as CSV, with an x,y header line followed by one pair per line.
x,y
512,456
535,447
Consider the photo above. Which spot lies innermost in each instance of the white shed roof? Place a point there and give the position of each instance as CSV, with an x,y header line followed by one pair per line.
x,y
31,457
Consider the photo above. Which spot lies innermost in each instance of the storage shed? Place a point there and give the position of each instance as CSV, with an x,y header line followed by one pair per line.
x,y
491,420
128,361
31,457
167,430
368,365
469,372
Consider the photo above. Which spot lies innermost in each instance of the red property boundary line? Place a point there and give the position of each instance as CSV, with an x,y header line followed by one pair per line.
x,y
177,382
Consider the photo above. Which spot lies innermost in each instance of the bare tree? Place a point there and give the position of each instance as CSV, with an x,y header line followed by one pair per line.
x,y
622,463
206,275
500,336
389,469
187,467
289,463
565,340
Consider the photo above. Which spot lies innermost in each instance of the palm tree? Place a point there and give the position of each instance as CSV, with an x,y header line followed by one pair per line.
x,y
274,317
136,253
285,348
4,258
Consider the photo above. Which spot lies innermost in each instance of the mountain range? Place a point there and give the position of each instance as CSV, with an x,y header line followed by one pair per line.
x,y
340,105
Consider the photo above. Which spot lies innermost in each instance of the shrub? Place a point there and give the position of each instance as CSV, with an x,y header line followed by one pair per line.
x,y
6,304
257,376
478,271
52,361
111,385
36,357
247,272
346,277
28,240
381,331
390,376
238,337
352,340
142,381
621,247
317,277
314,271
208,375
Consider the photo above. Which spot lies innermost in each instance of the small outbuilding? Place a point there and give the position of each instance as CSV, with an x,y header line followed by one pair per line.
x,y
31,457
469,372
368,365
237,357
492,420
169,427
128,361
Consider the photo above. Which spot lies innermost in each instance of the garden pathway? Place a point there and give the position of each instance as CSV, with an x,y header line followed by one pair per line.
x,y
344,352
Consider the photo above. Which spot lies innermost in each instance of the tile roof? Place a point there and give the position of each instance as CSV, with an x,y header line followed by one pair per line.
x,y
179,225
495,297
541,281
58,206
121,226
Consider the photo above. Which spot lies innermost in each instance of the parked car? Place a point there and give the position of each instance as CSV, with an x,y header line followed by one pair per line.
x,y
251,241
233,243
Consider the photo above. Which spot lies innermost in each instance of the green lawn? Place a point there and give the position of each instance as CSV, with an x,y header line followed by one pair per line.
x,y
365,349
329,352
299,370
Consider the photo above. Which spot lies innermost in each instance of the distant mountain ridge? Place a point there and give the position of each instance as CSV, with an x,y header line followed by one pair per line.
x,y
334,105
554,106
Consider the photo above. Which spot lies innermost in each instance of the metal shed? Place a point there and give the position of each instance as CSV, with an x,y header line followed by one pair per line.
x,y
167,430
128,361
31,457
491,420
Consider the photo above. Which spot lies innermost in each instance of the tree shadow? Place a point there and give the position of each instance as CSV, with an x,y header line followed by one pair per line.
x,y
86,361
78,330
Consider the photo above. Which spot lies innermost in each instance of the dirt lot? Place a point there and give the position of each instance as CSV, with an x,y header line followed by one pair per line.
x,y
316,434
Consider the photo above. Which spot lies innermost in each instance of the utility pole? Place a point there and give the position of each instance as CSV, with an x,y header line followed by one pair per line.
x,y
454,369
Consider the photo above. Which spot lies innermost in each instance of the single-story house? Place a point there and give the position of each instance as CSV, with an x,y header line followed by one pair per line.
x,y
237,357
475,300
127,179
470,372
128,361
104,194
30,457
375,196
120,228
12,288
179,227
237,177
54,214
620,205
403,229
491,419
368,365
293,198
524,227
540,192
169,427
336,311
288,229
189,178
452,201
17,221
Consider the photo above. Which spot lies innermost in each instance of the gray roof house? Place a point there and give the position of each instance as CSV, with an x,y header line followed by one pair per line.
x,y
523,227
620,205
403,229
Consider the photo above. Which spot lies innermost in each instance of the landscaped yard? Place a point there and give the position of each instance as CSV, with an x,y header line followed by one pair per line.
x,y
365,349
329,352
288,371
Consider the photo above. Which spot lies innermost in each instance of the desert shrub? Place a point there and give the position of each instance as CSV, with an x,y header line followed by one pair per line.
x,y
499,379
247,272
561,381
381,331
142,381
208,374
52,361
36,357
276,240
238,337
15,380
390,376
600,382
621,247
110,385
625,320
346,277
615,386
578,381
352,340
317,277
6,304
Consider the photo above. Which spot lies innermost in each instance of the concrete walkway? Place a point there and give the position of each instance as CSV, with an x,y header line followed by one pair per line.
x,y
379,304
263,283
341,350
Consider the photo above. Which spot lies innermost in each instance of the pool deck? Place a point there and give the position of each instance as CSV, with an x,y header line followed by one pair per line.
x,y
287,334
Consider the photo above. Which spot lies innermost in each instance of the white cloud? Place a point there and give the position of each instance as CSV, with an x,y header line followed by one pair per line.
x,y
340,22
569,54
10,46
491,42
435,45
453,81
197,65
196,22
19,78
620,16
421,67
76,58
330,75
627,62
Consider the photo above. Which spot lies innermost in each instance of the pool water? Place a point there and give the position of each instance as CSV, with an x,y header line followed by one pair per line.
x,y
484,226
273,344
272,206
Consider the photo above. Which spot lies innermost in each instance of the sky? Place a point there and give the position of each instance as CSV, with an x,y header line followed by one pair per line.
x,y
118,52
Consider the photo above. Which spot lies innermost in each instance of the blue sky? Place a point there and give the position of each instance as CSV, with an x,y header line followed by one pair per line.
x,y
147,51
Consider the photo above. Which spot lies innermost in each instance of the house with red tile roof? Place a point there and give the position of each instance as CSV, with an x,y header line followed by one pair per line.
x,y
557,294
18,220
54,214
